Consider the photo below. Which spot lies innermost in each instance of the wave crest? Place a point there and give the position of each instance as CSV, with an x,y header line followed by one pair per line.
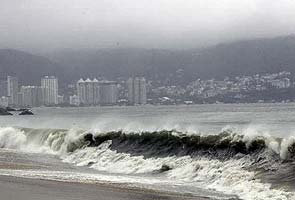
x,y
227,162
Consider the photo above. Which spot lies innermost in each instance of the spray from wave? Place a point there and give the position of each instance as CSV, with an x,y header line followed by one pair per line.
x,y
251,166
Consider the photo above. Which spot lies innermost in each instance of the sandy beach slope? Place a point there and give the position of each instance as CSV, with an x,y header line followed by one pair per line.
x,y
13,188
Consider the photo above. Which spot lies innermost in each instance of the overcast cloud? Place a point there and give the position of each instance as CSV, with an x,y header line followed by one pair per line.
x,y
50,24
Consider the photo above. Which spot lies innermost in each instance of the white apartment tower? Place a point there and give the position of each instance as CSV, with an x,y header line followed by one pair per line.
x,y
49,85
108,92
3,88
96,92
12,90
81,91
30,96
137,90
88,91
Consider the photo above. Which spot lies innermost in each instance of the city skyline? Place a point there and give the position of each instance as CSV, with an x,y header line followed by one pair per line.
x,y
276,87
94,92
87,93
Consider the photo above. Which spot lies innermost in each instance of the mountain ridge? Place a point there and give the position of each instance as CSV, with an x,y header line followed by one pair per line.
x,y
26,66
247,57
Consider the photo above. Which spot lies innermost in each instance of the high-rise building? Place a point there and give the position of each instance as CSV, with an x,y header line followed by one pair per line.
x,y
130,88
81,91
12,90
20,98
31,96
108,92
136,90
50,89
96,91
3,88
88,91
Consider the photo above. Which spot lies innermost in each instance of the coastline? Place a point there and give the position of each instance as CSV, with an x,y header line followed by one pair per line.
x,y
178,150
15,188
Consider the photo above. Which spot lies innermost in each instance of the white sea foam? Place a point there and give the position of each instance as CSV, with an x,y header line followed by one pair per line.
x,y
12,138
230,176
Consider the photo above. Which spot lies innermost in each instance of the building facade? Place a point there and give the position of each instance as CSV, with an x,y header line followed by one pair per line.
x,y
88,91
137,91
12,90
31,96
3,88
108,93
81,91
49,85
94,92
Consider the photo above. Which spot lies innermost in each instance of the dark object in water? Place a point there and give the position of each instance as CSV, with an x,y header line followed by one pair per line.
x,y
90,163
26,112
22,109
4,112
10,109
165,168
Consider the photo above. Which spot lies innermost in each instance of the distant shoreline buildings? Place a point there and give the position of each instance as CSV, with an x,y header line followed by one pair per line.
x,y
258,88
94,92
137,91
12,90
86,93
49,85
30,96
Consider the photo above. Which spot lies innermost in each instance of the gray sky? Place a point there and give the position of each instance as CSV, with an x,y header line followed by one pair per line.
x,y
49,24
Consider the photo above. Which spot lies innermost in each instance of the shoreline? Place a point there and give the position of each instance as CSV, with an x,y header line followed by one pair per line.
x,y
17,188
28,188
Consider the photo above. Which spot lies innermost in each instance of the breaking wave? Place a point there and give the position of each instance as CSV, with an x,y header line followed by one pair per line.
x,y
248,164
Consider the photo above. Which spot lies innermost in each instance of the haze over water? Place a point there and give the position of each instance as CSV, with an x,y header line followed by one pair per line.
x,y
275,119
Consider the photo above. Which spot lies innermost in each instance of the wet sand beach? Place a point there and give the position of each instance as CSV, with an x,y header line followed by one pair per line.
x,y
17,188
14,188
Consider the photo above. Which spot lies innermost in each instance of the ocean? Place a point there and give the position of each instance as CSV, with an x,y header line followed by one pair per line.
x,y
238,151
